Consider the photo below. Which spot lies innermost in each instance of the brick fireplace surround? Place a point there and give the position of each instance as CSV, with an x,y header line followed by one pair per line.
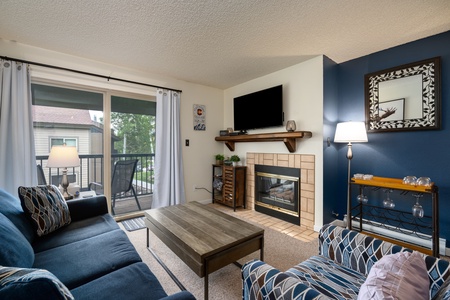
x,y
305,162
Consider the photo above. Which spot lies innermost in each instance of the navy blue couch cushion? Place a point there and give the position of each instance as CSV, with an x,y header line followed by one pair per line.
x,y
36,284
85,208
76,231
15,250
80,262
10,206
135,281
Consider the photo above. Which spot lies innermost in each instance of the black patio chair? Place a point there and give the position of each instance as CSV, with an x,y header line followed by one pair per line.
x,y
41,176
122,180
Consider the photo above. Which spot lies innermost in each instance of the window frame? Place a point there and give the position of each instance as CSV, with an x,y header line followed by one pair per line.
x,y
51,138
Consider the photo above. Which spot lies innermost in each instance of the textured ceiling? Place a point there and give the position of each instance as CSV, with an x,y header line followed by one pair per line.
x,y
219,43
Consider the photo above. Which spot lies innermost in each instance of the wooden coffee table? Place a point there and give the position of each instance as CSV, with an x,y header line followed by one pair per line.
x,y
203,237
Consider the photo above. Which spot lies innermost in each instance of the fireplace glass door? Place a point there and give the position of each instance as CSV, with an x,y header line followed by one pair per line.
x,y
277,192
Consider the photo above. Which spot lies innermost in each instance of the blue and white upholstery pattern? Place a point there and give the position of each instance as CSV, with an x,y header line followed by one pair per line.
x,y
328,277
444,292
360,252
344,261
262,281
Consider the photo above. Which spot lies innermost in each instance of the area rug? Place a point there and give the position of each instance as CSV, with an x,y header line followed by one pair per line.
x,y
280,251
134,224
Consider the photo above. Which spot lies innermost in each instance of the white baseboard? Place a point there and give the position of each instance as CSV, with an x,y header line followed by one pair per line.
x,y
338,223
400,236
403,237
206,201
317,228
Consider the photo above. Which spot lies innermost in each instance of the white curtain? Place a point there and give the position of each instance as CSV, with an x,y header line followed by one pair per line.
x,y
169,178
17,154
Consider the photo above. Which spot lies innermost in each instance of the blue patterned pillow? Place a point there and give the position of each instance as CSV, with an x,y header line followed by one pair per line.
x,y
46,207
19,283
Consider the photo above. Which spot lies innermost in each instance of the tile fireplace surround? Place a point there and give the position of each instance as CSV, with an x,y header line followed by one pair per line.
x,y
305,162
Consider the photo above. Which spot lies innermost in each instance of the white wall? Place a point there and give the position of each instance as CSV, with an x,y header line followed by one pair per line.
x,y
198,157
303,102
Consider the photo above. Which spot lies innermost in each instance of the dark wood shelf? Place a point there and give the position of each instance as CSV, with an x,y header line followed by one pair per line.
x,y
289,138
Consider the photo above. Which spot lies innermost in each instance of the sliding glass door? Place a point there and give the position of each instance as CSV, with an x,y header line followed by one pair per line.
x,y
75,117
132,140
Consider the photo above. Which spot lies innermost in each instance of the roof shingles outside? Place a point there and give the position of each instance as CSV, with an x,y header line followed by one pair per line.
x,y
58,115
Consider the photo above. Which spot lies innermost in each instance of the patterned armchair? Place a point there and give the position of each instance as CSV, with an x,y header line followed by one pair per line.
x,y
344,261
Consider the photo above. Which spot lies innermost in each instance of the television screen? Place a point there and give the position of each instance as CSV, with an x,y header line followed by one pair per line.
x,y
260,109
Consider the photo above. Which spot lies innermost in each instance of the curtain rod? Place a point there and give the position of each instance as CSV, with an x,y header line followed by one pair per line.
x,y
86,73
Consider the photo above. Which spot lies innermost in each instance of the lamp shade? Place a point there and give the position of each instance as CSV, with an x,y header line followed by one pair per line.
x,y
350,132
63,157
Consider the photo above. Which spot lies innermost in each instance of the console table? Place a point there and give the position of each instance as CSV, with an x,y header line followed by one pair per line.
x,y
396,220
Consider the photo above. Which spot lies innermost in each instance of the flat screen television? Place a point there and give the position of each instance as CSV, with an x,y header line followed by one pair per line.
x,y
258,110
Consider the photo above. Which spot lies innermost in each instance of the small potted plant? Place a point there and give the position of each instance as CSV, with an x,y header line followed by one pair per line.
x,y
235,159
219,159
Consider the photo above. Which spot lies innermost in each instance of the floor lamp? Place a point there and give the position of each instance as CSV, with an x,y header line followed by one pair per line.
x,y
63,157
350,132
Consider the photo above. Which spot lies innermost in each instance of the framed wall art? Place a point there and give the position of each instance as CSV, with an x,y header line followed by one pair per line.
x,y
404,98
199,117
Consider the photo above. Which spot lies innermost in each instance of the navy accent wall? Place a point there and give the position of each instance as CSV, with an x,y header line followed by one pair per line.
x,y
395,154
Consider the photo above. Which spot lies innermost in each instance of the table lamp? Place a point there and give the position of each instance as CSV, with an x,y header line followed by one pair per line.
x,y
63,157
350,132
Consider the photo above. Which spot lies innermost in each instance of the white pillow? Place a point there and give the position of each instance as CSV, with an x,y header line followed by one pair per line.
x,y
402,275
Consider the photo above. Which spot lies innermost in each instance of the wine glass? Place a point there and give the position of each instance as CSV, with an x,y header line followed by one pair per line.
x,y
362,198
387,202
417,209
410,180
423,181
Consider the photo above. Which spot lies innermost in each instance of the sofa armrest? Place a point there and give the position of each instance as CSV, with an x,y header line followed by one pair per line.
x,y
183,295
84,208
275,284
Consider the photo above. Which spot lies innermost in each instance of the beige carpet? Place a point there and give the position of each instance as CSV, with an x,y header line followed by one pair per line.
x,y
281,251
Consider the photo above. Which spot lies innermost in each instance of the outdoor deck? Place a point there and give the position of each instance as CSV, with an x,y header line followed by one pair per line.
x,y
128,205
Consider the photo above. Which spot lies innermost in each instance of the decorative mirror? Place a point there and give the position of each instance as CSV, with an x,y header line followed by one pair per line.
x,y
403,98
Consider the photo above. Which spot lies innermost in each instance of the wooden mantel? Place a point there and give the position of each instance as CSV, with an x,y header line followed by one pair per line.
x,y
289,138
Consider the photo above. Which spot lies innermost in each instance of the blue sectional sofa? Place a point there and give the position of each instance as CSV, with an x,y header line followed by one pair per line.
x,y
90,258
342,269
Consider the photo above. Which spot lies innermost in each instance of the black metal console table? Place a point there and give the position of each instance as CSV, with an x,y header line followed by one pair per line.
x,y
404,222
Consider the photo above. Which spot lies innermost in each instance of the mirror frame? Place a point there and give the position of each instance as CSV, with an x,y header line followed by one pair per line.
x,y
430,69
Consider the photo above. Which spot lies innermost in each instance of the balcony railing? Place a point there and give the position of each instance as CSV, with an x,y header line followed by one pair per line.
x,y
91,170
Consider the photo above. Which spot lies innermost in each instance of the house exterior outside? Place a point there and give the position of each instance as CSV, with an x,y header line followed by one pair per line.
x,y
73,127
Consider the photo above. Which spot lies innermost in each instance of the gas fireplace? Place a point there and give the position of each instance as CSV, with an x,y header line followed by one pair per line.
x,y
277,192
